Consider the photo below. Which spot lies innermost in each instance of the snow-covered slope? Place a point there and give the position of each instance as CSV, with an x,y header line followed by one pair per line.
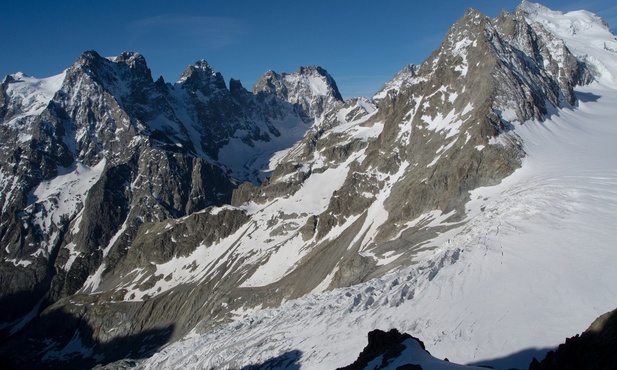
x,y
30,95
532,264
585,34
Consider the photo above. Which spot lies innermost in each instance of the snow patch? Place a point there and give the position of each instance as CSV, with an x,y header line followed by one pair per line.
x,y
63,196
450,122
20,263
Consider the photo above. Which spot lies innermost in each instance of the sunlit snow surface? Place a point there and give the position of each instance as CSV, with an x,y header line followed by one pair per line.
x,y
32,95
533,265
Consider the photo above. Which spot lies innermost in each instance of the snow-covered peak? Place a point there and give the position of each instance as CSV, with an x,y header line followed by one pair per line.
x,y
312,81
534,8
577,22
17,76
585,34
46,86
317,79
29,95
312,88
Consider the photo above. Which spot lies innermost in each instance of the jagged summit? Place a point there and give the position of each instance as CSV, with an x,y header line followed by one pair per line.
x,y
92,62
312,88
132,58
317,79
395,84
201,76
204,65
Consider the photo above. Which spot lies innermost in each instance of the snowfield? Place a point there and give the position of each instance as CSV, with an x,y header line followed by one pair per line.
x,y
533,264
32,94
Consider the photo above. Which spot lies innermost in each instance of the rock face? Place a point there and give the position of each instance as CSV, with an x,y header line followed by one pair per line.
x,y
134,208
310,88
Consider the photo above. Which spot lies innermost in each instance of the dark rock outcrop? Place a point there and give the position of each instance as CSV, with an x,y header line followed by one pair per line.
x,y
594,349
388,345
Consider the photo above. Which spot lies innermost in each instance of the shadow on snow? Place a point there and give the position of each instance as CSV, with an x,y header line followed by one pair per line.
x,y
63,340
518,360
288,360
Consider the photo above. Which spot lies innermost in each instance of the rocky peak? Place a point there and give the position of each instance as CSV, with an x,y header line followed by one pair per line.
x,y
508,62
125,76
269,83
88,57
235,87
202,77
95,65
322,74
92,65
311,88
400,79
133,60
471,22
8,79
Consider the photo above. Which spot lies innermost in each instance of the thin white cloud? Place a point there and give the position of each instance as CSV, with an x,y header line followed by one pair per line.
x,y
210,32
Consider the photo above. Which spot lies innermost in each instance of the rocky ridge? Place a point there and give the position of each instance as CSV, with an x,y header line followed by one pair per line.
x,y
92,154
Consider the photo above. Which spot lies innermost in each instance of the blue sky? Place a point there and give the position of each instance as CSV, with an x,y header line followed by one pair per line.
x,y
361,43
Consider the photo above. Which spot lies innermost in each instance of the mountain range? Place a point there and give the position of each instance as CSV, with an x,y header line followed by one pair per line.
x,y
196,224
